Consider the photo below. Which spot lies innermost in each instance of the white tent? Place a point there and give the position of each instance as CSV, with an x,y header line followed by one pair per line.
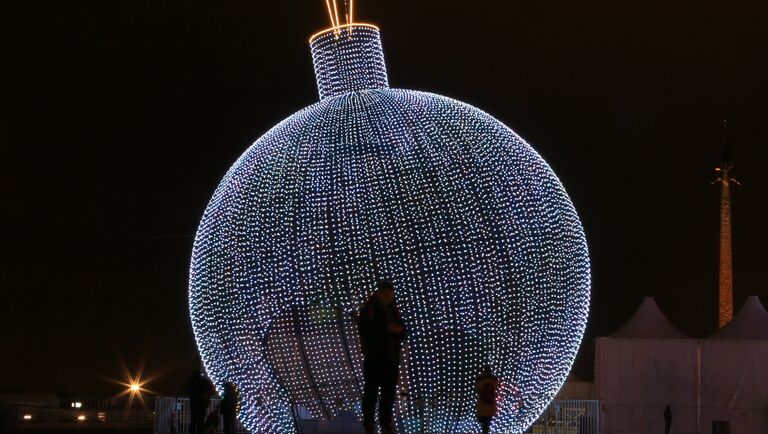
x,y
751,323
649,364
649,322
734,372
645,366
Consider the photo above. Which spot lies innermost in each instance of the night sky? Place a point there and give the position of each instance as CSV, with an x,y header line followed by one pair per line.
x,y
118,119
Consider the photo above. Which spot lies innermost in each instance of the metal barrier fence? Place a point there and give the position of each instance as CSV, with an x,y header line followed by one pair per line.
x,y
569,417
83,413
561,417
172,415
125,403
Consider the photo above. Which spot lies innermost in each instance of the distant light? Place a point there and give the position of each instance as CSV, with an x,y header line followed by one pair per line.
x,y
134,386
102,416
27,417
77,404
81,418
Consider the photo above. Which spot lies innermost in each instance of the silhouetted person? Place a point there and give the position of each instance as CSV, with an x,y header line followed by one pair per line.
x,y
230,402
667,419
381,332
200,390
212,423
486,386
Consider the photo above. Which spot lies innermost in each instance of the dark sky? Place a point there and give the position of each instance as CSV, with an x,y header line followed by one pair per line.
x,y
118,119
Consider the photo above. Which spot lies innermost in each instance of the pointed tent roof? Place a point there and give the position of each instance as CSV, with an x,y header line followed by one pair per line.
x,y
649,322
750,323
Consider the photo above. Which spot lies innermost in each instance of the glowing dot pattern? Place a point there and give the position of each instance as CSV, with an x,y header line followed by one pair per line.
x,y
471,225
348,59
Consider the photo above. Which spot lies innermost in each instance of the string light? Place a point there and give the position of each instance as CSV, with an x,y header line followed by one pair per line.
x,y
476,232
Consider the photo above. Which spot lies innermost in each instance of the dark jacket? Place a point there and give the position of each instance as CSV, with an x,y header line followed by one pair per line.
x,y
373,325
229,402
200,390
486,386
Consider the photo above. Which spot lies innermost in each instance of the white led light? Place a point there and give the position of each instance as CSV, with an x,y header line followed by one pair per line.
x,y
480,239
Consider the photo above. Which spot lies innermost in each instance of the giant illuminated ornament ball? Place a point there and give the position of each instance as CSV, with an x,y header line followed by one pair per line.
x,y
476,232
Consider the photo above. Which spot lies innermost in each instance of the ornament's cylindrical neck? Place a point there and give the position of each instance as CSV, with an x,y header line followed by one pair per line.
x,y
348,58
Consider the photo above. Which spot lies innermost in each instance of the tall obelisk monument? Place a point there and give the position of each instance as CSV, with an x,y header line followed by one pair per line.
x,y
725,294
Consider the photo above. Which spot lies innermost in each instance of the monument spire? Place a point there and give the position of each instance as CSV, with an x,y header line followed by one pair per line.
x,y
725,293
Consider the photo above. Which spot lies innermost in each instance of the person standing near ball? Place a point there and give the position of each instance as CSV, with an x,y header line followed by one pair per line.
x,y
486,386
381,331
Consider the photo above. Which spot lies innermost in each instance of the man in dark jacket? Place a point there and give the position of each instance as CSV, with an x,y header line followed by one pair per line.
x,y
200,390
230,402
487,386
381,332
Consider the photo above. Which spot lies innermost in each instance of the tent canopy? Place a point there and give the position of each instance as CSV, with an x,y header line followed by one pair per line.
x,y
649,322
751,323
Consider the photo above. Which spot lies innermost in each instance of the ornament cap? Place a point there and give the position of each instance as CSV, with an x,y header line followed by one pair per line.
x,y
348,58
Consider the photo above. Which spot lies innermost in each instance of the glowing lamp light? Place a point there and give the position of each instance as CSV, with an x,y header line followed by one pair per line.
x,y
81,418
134,385
27,417
476,232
